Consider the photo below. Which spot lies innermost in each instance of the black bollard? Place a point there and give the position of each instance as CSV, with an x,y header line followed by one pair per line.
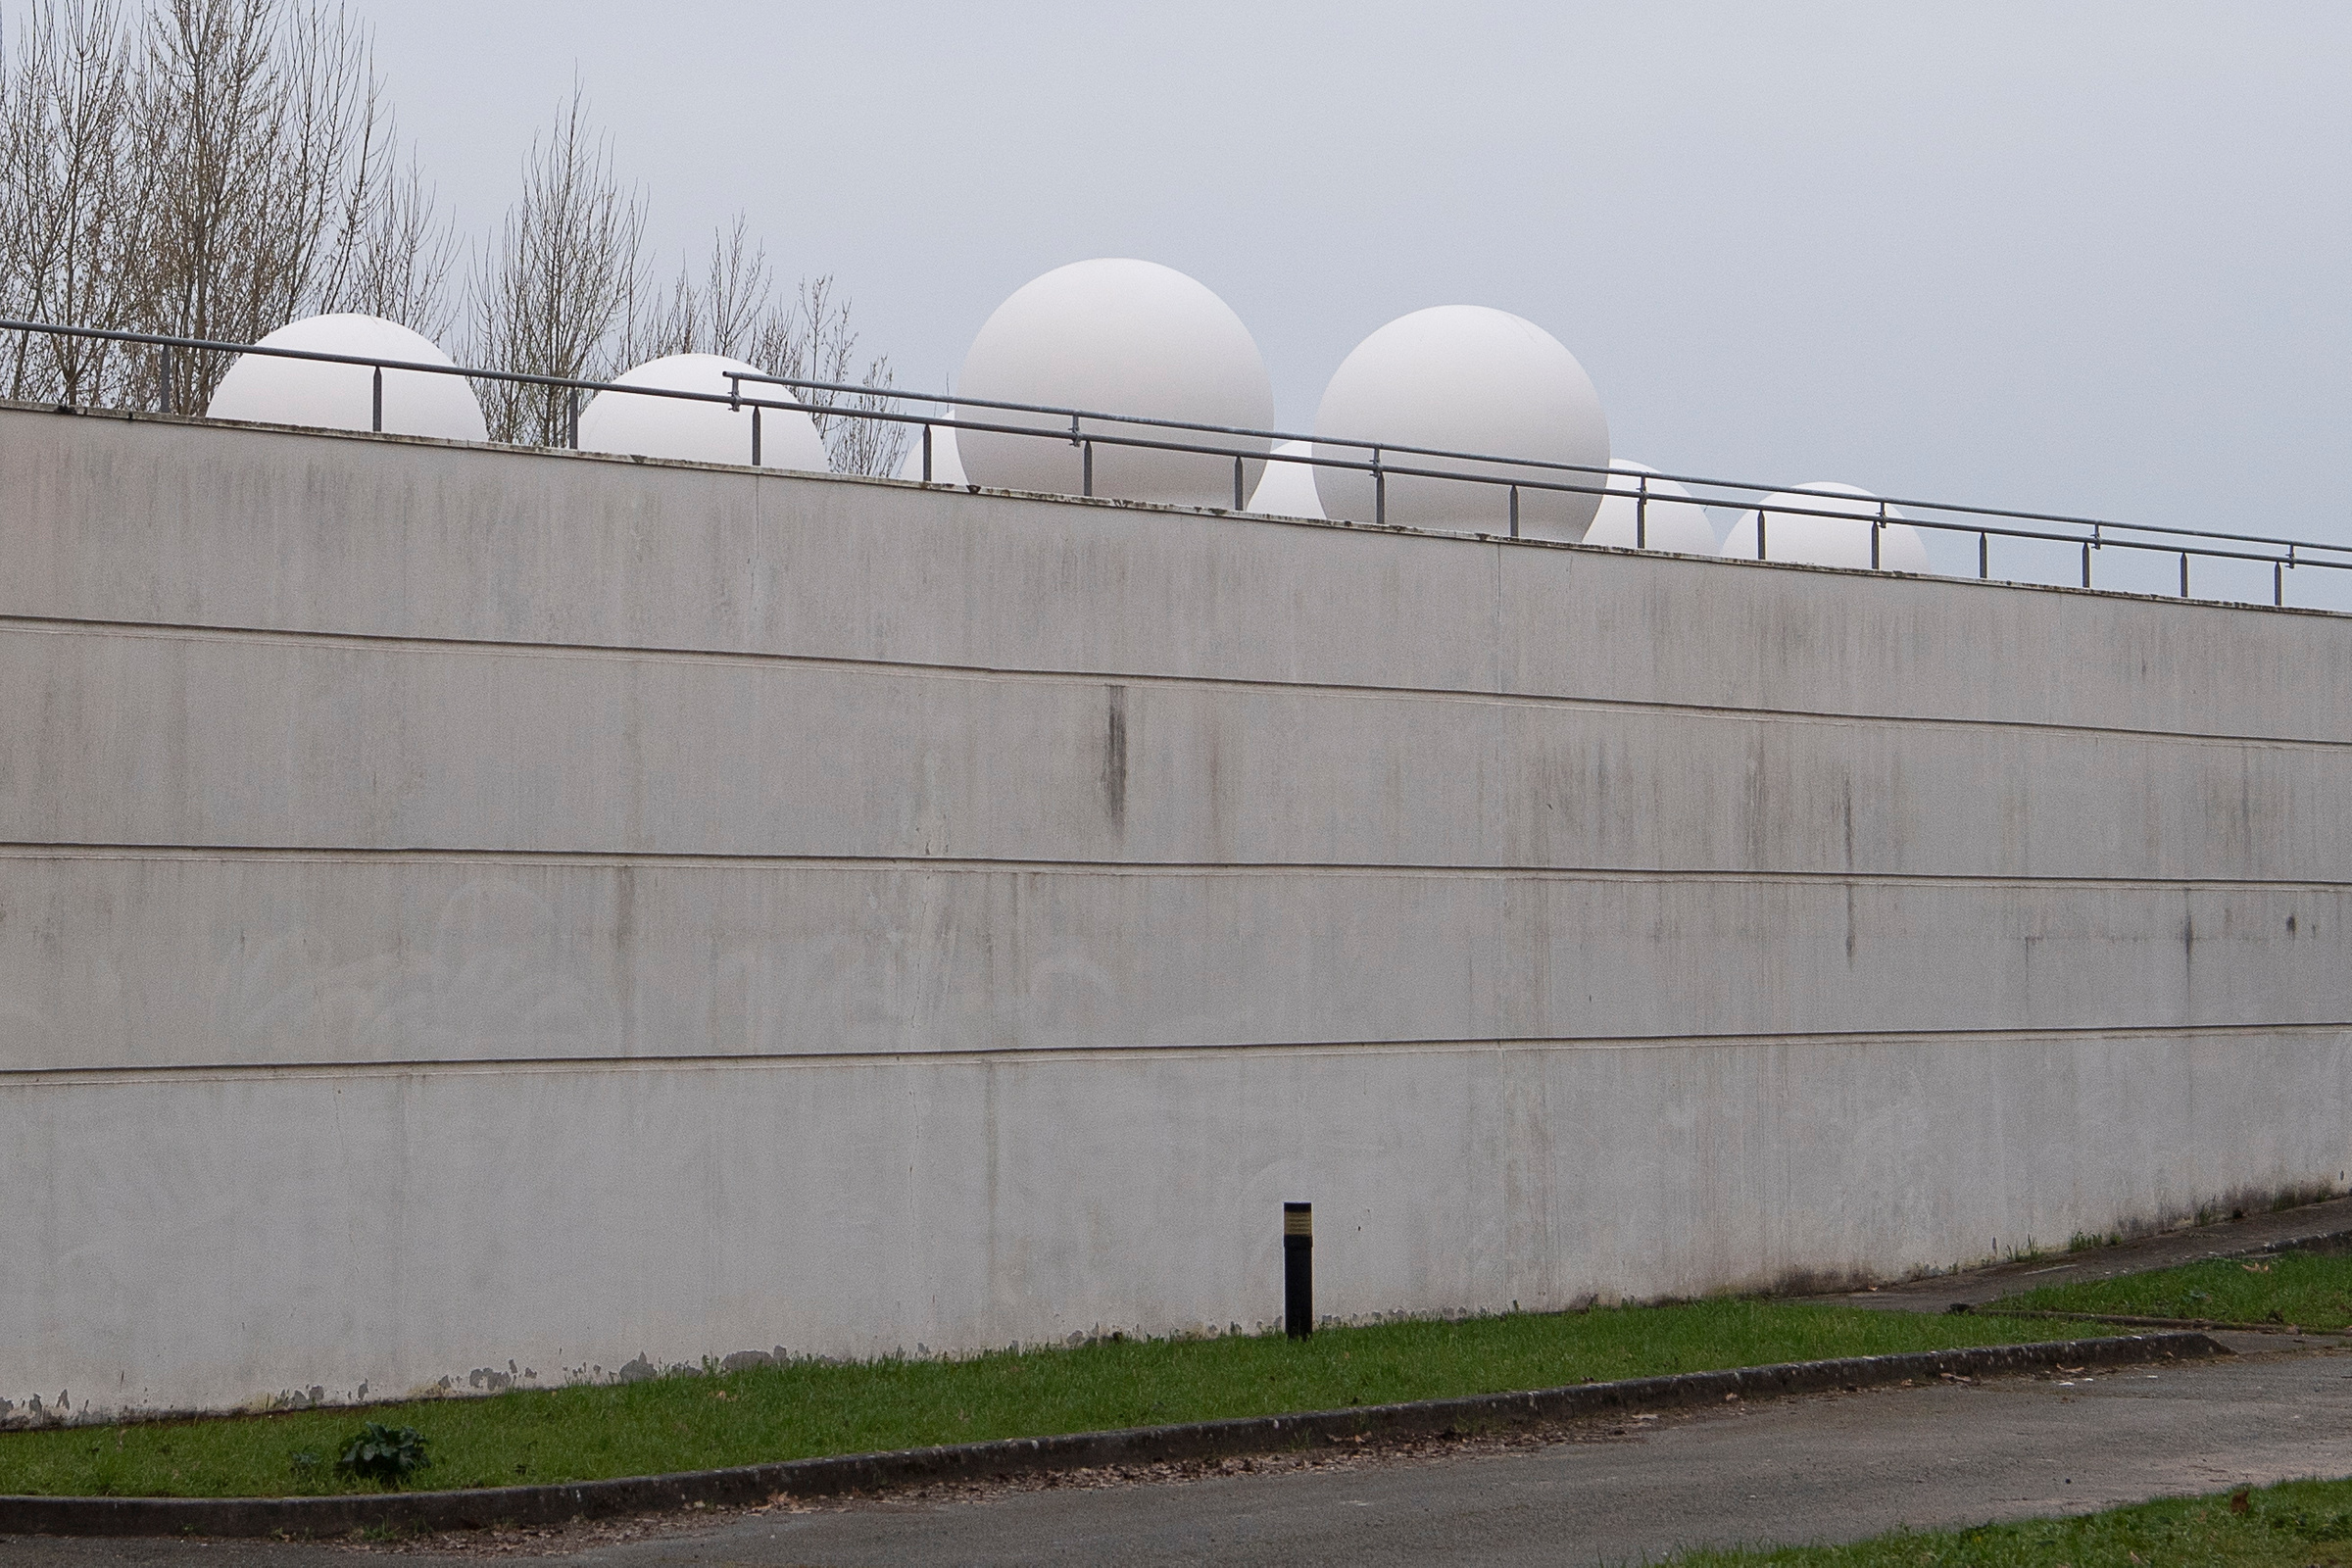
x,y
1299,1269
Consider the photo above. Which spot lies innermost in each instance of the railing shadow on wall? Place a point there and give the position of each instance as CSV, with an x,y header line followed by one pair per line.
x,y
1508,478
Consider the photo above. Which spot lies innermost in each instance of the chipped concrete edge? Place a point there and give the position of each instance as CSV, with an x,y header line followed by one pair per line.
x,y
752,1484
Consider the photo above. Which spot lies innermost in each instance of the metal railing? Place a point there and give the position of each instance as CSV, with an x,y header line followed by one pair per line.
x,y
1087,428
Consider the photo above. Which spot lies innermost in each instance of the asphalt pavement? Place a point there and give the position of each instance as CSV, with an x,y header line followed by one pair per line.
x,y
1816,1469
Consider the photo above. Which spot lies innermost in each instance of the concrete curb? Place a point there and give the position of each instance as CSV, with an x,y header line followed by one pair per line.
x,y
750,1485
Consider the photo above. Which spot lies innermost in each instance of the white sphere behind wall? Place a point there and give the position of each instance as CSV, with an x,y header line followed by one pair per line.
x,y
342,396
946,467
1827,541
1464,378
698,432
1115,336
1288,488
1671,520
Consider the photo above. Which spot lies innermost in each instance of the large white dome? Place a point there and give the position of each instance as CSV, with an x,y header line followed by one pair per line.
x,y
342,396
1463,378
1118,337
946,467
698,432
1288,488
1827,541
1675,522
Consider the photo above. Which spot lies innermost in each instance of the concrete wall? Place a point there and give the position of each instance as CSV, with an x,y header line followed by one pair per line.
x,y
471,914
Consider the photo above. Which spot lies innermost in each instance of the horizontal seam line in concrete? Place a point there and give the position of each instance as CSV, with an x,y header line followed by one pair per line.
x,y
1099,1054
689,860
914,669
1197,1439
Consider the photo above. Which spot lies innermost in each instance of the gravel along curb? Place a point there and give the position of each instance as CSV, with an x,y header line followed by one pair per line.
x,y
751,1485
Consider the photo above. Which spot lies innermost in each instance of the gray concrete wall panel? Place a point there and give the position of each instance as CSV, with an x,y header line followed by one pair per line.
x,y
196,959
372,1232
139,735
468,912
182,523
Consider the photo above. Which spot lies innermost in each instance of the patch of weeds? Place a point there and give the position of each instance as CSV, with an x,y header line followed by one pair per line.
x,y
385,1455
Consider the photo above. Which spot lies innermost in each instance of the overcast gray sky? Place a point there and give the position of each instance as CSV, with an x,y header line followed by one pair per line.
x,y
2079,257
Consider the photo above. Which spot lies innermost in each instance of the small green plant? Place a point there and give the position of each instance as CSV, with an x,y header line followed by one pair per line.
x,y
385,1455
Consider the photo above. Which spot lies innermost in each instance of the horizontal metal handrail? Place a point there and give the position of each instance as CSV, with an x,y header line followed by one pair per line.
x,y
1624,481
1527,473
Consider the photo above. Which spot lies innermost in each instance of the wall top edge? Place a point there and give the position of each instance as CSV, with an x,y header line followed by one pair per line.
x,y
786,476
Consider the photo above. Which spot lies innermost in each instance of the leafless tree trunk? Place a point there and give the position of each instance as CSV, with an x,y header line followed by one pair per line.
x,y
559,292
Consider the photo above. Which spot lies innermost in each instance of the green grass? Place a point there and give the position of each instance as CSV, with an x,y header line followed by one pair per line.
x,y
2292,1526
2305,1289
808,1409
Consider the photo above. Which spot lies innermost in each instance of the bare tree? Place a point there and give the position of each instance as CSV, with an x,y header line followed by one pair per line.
x,y
72,198
282,194
557,294
730,307
216,170
812,341
719,312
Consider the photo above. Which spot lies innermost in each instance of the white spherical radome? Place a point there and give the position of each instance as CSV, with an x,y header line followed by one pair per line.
x,y
1463,378
1827,541
328,395
1288,488
1115,336
946,467
694,431
1671,520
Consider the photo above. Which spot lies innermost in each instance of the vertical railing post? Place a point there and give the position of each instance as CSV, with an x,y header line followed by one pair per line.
x,y
1086,479
1380,491
926,452
2085,562
163,391
376,419
1514,511
1759,533
755,435
1877,529
2279,584
1984,555
2185,574
1642,514
571,419
1239,501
